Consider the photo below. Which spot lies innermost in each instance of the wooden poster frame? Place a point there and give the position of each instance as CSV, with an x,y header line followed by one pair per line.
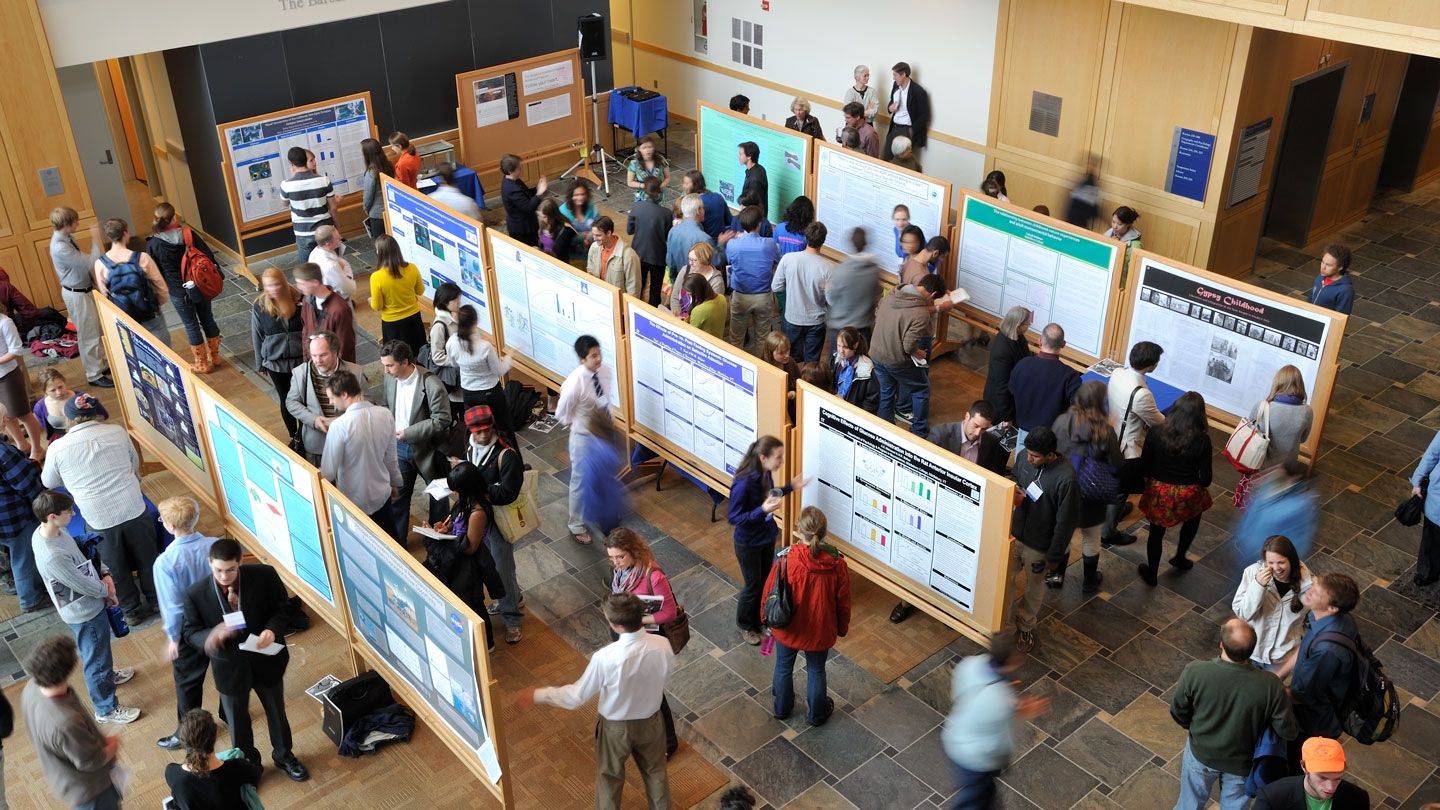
x,y
482,147
992,591
400,685
808,169
887,277
770,396
202,482
1329,357
427,302
969,314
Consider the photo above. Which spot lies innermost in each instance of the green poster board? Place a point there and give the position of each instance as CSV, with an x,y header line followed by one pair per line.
x,y
784,153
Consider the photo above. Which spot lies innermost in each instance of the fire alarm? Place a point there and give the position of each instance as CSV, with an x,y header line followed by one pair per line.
x,y
764,5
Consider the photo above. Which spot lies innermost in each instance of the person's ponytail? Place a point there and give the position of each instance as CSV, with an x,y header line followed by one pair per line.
x,y
812,527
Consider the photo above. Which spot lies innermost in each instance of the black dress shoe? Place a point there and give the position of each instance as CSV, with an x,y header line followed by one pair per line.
x,y
901,612
1424,581
1117,539
102,382
293,769
170,743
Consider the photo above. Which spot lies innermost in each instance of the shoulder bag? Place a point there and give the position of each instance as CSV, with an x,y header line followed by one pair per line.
x,y
779,607
1248,445
522,515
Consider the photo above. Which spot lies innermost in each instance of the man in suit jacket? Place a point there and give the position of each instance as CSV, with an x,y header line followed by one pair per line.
x,y
423,421
1323,782
221,611
909,111
307,400
649,228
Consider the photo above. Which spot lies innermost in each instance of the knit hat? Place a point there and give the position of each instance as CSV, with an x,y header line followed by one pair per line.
x,y
1322,755
81,405
479,418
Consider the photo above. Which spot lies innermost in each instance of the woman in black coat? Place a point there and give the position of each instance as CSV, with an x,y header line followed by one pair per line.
x,y
855,380
1008,348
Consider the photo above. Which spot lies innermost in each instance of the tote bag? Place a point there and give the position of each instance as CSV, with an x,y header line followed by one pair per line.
x,y
521,516
1247,446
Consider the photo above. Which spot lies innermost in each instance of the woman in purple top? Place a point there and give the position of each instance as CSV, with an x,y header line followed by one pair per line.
x,y
50,409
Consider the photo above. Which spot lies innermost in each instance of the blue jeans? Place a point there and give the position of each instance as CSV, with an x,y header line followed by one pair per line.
x,y
1196,779
783,684
504,553
305,244
29,587
807,343
198,319
977,788
901,384
93,638
109,799
409,471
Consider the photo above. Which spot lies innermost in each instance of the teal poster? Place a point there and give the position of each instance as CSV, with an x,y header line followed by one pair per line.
x,y
785,156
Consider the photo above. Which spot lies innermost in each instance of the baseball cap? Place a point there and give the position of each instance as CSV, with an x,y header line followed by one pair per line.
x,y
1322,755
81,405
479,418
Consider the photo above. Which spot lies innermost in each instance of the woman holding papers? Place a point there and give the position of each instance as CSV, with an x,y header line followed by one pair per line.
x,y
637,572
455,550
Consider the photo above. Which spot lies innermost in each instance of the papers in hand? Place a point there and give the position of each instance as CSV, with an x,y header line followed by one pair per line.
x,y
651,604
959,295
438,490
434,535
251,644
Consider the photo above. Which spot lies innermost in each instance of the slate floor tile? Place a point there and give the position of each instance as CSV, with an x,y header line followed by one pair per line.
x,y
718,624
1104,752
1107,624
778,771
1427,793
1104,684
698,588
1390,768
705,684
1373,555
898,717
1060,646
1392,612
1008,798
1151,788
1419,733
840,746
1157,607
881,784
739,727
934,689
1152,660
846,680
1147,721
820,797
926,760
1416,674
1199,585
1048,779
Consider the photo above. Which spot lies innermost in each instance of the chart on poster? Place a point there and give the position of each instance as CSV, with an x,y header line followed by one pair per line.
x,y
419,631
444,246
160,393
1007,259
699,398
896,502
257,153
852,191
1224,343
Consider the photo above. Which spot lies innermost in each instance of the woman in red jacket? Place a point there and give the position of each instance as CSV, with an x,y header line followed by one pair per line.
x,y
819,583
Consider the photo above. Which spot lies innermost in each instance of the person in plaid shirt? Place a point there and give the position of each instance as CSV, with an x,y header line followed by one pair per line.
x,y
19,485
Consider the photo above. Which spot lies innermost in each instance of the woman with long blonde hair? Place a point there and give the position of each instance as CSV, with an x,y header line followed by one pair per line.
x,y
1287,420
276,334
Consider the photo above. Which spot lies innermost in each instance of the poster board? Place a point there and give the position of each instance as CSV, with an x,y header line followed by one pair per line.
x,y
533,108
157,395
854,190
1233,362
443,243
542,305
271,501
784,153
1006,256
698,400
425,642
924,523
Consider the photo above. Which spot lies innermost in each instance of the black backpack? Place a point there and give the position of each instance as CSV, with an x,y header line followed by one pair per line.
x,y
1372,709
130,288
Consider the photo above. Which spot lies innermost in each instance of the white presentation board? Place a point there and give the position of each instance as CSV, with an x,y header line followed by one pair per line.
x,y
698,397
257,154
1221,341
1007,258
544,306
445,246
853,191
899,503
269,493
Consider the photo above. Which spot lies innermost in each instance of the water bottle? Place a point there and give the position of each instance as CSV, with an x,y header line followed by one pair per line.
x,y
767,644
119,628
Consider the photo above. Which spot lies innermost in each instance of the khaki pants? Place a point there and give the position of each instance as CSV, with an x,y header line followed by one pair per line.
x,y
615,742
747,306
81,309
1028,563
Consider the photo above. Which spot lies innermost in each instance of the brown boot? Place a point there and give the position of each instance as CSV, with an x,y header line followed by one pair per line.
x,y
213,344
201,363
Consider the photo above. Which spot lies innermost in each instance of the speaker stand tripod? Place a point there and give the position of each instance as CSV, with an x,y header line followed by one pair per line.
x,y
597,152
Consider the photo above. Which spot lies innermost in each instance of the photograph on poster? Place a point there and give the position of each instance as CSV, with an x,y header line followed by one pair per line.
x,y
445,247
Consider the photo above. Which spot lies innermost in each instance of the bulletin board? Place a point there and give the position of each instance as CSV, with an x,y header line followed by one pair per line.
x,y
697,400
443,243
1226,339
533,108
157,395
924,523
785,154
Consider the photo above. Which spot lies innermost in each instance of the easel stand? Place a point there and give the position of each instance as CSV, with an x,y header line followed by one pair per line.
x,y
582,166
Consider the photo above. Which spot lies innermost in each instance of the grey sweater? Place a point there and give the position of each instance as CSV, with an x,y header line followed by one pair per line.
x,y
68,744
72,581
371,197
852,293
1289,428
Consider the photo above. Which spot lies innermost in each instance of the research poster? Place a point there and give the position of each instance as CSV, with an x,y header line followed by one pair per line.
x,y
544,306
270,494
1006,259
698,397
896,502
160,394
1221,341
784,154
418,631
258,154
852,192
444,246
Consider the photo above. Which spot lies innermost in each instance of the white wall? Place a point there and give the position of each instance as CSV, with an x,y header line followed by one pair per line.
x,y
814,46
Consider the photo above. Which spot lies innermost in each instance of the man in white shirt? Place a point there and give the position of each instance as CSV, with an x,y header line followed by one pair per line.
x,y
335,271
360,456
630,676
1132,413
589,386
421,407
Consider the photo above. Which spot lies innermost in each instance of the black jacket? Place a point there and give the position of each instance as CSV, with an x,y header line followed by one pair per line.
x,y
1004,354
565,242
167,255
278,343
1289,794
649,224
1190,466
520,203
265,604
991,455
1046,525
918,103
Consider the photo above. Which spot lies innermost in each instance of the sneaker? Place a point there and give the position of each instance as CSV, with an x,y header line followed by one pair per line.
x,y
751,637
908,416
1118,539
512,635
121,716
1024,640
124,675
7,586
493,608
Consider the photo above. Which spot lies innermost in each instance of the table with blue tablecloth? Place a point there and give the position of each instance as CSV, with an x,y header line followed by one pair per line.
x,y
639,118
466,180
163,538
1164,393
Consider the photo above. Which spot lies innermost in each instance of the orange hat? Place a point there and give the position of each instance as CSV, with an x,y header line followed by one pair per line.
x,y
1322,755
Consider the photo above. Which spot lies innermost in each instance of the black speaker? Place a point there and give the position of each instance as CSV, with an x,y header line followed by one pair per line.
x,y
592,37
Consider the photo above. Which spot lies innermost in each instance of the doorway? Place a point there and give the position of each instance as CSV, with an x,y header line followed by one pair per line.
x,y
1300,162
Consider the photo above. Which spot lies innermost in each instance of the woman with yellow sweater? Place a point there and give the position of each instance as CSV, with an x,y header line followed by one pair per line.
x,y
395,290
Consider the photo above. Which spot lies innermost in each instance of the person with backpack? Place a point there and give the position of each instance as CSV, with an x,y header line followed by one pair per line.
x,y
182,255
130,279
1320,684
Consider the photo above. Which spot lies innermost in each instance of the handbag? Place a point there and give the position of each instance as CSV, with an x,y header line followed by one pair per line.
x,y
1248,445
1412,510
449,375
1099,480
522,515
779,606
677,630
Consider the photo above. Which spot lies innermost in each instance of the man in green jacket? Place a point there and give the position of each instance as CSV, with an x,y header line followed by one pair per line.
x,y
1226,703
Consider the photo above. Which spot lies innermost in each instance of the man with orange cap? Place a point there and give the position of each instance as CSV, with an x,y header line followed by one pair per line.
x,y
1323,787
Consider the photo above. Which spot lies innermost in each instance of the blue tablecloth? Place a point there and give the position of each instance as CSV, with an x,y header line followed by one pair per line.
x,y
162,537
1164,393
640,117
469,184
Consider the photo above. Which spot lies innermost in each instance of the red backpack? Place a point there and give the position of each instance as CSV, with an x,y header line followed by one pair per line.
x,y
200,269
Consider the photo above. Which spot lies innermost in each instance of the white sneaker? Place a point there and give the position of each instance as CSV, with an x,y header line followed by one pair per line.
x,y
121,716
124,675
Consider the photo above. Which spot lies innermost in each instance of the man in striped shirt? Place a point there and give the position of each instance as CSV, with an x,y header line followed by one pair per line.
x,y
311,198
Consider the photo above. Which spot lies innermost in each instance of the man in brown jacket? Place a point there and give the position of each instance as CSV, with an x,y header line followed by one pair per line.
x,y
901,347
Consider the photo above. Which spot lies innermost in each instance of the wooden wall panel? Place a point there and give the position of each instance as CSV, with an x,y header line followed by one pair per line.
x,y
1417,15
1035,60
